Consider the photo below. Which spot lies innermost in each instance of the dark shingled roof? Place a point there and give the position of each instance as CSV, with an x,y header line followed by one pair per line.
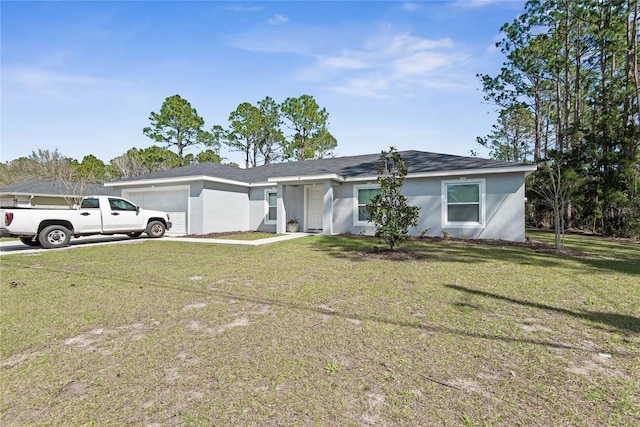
x,y
348,167
56,188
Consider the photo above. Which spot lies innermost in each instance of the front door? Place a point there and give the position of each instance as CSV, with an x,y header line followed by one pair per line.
x,y
315,207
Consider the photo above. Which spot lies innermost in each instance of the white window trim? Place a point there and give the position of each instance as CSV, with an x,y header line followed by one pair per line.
x,y
356,188
482,211
266,206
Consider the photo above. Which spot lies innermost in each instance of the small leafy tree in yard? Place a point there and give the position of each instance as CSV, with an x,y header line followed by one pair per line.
x,y
555,187
389,210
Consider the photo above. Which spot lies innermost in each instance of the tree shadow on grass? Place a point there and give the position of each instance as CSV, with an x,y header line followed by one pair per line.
x,y
620,322
366,248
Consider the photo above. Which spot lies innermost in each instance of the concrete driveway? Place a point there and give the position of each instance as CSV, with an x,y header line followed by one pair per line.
x,y
11,246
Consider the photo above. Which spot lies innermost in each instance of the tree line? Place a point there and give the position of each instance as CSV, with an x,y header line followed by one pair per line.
x,y
568,97
296,129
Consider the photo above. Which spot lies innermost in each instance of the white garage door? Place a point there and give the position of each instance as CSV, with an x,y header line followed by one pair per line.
x,y
174,201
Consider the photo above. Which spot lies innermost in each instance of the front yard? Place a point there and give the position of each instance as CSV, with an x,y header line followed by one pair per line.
x,y
322,331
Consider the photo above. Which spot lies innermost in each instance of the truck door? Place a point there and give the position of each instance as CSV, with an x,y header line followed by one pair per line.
x,y
122,215
89,216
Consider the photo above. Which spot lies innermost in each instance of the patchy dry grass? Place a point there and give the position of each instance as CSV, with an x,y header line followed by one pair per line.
x,y
317,331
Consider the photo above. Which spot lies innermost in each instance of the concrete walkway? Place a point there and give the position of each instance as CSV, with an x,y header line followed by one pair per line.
x,y
258,242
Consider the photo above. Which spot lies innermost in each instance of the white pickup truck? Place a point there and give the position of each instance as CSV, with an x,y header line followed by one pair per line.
x,y
53,228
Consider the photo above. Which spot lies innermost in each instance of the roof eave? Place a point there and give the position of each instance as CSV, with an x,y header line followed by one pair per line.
x,y
526,169
306,178
175,180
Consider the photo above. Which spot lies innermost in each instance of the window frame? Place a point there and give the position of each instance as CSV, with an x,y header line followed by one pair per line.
x,y
356,205
481,183
267,207
116,204
86,200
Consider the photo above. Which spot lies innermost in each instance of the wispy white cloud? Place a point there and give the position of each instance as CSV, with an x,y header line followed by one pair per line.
x,y
367,85
244,8
277,20
384,65
406,43
474,4
29,81
411,7
493,49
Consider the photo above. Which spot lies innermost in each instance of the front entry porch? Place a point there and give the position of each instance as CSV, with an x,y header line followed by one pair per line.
x,y
311,204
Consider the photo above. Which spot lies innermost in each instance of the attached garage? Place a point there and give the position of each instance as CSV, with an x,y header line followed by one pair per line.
x,y
173,200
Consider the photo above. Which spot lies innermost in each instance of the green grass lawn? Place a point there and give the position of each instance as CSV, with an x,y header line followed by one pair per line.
x,y
322,331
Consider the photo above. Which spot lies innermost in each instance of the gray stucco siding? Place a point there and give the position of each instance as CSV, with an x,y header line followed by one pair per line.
x,y
258,210
344,210
195,208
503,207
505,202
426,194
224,208
294,203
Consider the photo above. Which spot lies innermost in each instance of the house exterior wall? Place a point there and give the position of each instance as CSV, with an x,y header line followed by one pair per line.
x,y
258,210
293,198
195,214
505,208
224,208
294,202
502,204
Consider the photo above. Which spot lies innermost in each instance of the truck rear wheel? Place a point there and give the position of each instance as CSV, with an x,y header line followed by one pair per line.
x,y
54,236
155,229
30,241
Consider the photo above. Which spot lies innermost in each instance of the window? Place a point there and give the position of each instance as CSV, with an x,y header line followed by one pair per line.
x,y
121,205
363,195
271,197
90,203
463,203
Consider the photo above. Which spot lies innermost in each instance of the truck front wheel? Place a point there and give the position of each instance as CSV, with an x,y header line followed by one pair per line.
x,y
54,236
155,229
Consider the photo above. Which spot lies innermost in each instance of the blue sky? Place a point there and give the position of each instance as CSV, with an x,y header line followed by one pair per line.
x,y
83,76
